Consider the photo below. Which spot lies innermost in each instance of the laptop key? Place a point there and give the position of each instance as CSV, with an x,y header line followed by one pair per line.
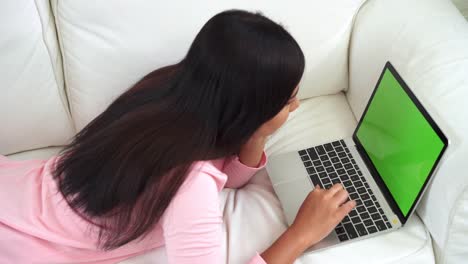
x,y
342,143
315,180
317,162
341,171
356,220
345,177
327,163
333,175
348,166
372,209
350,230
334,159
320,168
361,209
335,181
343,237
320,150
380,225
351,190
354,196
307,163
358,184
332,154
361,190
341,154
365,215
354,178
345,160
372,229
351,172
338,165
328,147
388,225
327,185
339,230
359,173
302,152
353,213
364,196
304,158
339,149
358,202
346,219
326,180
375,216
323,175
347,183
330,169
323,157
312,153
311,170
361,230
336,143
368,222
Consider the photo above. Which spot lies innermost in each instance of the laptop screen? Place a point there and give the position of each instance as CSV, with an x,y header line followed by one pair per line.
x,y
401,140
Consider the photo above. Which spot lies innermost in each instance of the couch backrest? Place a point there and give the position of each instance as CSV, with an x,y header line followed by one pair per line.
x,y
33,104
108,47
427,42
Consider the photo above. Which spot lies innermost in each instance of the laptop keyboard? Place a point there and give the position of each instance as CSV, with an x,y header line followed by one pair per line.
x,y
333,163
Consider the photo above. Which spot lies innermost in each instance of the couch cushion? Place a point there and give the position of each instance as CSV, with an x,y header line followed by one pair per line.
x,y
107,48
427,43
33,107
253,217
43,153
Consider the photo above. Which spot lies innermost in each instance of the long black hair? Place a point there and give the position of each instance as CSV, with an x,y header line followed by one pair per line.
x,y
121,171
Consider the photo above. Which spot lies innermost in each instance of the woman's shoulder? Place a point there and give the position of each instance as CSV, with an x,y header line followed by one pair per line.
x,y
205,173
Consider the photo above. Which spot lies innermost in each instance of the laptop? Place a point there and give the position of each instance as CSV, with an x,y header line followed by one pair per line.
x,y
385,166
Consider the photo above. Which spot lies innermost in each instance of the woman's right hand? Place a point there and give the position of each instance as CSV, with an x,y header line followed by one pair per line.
x,y
320,213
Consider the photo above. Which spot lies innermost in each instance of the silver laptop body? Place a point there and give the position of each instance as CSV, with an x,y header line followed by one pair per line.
x,y
295,174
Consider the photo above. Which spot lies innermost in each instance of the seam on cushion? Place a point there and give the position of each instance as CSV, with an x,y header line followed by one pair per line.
x,y
353,23
428,239
64,62
67,103
450,223
227,223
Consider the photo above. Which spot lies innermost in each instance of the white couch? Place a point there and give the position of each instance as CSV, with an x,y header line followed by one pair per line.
x,y
62,62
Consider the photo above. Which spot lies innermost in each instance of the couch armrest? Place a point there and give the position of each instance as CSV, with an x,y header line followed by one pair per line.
x,y
427,42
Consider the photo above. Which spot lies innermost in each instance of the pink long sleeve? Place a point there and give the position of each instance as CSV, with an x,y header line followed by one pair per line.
x,y
238,173
192,222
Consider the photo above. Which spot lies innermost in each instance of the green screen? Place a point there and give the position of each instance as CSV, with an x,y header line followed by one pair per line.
x,y
400,141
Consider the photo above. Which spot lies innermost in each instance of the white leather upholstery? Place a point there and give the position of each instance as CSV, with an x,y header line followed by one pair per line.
x,y
427,42
33,105
107,48
462,5
43,153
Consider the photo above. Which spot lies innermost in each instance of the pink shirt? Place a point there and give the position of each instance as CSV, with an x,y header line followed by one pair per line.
x,y
37,225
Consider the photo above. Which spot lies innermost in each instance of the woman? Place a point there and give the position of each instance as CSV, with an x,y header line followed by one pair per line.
x,y
147,171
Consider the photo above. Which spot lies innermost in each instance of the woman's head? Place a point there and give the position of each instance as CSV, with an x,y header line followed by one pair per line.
x,y
242,69
121,171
